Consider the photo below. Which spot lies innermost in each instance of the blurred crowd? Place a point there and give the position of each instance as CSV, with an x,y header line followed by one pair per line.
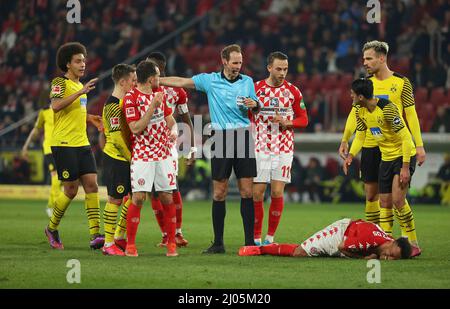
x,y
323,39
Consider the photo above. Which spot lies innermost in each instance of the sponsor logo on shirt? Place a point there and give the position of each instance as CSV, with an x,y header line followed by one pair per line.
x,y
83,101
274,102
396,121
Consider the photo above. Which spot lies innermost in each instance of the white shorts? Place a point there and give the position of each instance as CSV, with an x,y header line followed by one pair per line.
x,y
174,153
326,241
273,167
145,175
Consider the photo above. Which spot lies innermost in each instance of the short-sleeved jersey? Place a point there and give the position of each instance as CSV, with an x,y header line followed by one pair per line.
x,y
69,123
362,236
176,99
152,143
114,121
45,121
287,100
396,89
382,125
225,99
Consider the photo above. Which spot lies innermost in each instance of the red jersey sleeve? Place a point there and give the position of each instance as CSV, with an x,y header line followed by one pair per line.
x,y
362,235
182,96
167,110
300,115
130,108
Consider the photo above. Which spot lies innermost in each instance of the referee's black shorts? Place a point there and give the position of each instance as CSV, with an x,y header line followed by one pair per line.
x,y
233,150
388,169
117,177
49,162
73,162
370,164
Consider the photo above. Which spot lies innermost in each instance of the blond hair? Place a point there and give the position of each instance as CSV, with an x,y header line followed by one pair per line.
x,y
378,46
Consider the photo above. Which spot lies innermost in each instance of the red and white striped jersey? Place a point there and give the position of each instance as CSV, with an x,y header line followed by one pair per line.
x,y
287,101
152,143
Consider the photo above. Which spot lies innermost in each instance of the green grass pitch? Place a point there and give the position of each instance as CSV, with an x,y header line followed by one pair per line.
x,y
28,262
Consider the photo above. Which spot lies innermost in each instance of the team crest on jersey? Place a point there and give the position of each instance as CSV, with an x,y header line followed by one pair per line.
x,y
114,121
380,120
130,112
286,93
274,102
393,88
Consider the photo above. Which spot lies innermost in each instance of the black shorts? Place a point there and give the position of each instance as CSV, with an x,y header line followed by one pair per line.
x,y
117,177
370,163
233,149
390,168
49,162
73,162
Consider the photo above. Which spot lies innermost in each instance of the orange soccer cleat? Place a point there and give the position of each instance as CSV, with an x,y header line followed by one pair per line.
x,y
180,240
172,249
163,242
131,250
112,250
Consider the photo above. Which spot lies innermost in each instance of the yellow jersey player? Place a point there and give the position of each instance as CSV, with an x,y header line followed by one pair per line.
x,y
45,122
381,120
70,146
397,89
116,158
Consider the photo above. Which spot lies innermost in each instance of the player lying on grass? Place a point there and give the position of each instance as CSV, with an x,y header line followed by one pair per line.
x,y
343,238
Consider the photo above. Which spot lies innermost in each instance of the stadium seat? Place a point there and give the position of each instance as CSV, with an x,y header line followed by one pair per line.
x,y
421,95
437,96
345,80
315,82
330,81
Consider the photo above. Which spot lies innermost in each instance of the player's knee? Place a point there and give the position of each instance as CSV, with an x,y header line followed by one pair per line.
x,y
246,192
276,193
219,193
398,201
258,196
71,191
138,198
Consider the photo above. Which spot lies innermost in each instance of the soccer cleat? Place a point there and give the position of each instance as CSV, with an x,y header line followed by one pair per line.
x,y
97,241
214,249
180,240
267,242
53,239
131,250
415,251
121,243
163,242
112,250
257,242
49,211
249,250
172,249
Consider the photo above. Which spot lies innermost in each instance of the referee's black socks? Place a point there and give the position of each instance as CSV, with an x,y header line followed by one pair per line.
x,y
218,218
248,218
